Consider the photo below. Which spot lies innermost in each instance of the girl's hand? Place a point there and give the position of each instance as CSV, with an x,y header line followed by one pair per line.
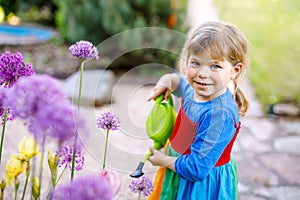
x,y
166,84
158,158
158,90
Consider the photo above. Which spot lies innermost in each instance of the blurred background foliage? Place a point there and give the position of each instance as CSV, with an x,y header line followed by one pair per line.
x,y
38,11
272,27
98,20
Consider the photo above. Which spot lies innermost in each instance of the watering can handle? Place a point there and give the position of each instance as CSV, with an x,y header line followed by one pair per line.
x,y
160,98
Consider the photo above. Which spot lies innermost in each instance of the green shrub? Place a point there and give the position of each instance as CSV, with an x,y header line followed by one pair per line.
x,y
38,11
9,6
98,20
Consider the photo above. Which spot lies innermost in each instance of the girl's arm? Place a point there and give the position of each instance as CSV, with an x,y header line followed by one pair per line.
x,y
165,85
158,158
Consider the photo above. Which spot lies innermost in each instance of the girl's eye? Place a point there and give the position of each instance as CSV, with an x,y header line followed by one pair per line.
x,y
195,64
215,66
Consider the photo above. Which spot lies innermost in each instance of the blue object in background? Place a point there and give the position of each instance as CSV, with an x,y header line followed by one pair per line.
x,y
18,32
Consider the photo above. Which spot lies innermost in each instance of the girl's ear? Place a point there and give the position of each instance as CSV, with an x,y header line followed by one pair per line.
x,y
236,70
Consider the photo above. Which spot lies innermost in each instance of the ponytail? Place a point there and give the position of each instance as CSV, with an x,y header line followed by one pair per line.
x,y
242,102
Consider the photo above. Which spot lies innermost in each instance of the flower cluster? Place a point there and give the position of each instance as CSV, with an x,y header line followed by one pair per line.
x,y
108,121
84,50
65,158
41,101
12,67
141,185
84,188
33,94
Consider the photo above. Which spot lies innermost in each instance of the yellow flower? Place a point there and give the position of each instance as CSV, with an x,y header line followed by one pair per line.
x,y
3,185
52,162
28,148
36,188
14,167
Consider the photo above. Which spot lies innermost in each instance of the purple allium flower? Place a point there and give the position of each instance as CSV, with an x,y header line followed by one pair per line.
x,y
141,185
84,188
12,67
33,94
59,121
84,50
40,100
108,121
65,158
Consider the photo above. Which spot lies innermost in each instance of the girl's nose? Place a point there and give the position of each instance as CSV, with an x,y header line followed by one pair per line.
x,y
202,72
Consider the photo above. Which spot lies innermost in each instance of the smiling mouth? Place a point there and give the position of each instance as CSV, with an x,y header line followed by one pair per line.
x,y
202,84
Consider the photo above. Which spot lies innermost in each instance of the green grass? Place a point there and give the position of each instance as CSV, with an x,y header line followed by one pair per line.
x,y
273,30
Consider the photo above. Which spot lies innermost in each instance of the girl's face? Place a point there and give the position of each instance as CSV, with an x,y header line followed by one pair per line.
x,y
209,77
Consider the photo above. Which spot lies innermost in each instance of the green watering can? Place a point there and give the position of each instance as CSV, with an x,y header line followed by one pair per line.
x,y
159,127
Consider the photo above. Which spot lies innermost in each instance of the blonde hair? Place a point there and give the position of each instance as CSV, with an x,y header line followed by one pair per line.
x,y
221,41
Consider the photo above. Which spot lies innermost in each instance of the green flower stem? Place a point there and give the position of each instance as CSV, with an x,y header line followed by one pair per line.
x,y
25,185
60,176
54,181
73,157
33,167
42,164
3,131
17,184
54,176
139,197
78,104
80,83
105,149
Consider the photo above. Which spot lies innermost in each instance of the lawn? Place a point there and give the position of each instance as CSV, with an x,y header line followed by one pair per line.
x,y
272,28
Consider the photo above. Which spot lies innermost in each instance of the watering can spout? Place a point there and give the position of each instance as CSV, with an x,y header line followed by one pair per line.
x,y
138,172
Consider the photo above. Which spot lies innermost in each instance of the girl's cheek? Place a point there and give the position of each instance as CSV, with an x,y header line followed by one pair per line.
x,y
190,72
190,76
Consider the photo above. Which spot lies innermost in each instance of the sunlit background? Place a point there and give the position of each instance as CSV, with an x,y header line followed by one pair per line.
x,y
272,27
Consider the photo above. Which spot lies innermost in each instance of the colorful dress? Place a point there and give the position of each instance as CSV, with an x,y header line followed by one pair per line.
x,y
203,137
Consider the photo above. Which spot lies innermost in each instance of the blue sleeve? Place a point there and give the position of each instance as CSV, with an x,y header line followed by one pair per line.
x,y
182,87
215,131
